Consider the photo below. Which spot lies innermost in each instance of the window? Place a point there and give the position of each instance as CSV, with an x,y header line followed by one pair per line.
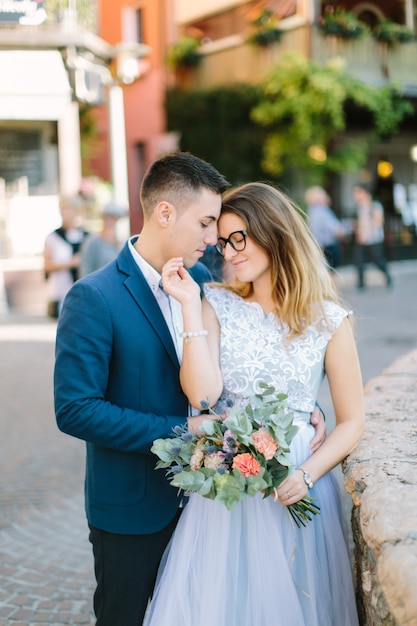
x,y
139,22
132,25
21,155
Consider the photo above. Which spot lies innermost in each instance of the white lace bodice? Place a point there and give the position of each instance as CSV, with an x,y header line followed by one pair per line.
x,y
252,350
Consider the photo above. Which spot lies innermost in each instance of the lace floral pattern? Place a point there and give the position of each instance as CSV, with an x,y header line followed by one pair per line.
x,y
252,349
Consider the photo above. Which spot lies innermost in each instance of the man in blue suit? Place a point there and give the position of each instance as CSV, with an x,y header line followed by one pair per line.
x,y
117,386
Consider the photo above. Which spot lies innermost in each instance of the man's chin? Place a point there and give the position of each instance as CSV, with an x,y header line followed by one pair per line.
x,y
190,261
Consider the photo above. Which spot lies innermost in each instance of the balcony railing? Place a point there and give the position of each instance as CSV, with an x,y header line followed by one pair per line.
x,y
371,61
234,60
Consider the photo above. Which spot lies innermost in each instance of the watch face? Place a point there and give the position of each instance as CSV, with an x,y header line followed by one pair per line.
x,y
307,477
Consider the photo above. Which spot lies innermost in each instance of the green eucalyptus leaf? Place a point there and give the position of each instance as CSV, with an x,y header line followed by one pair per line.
x,y
229,497
188,480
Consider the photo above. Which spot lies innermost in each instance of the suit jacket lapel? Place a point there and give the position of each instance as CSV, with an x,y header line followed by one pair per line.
x,y
140,291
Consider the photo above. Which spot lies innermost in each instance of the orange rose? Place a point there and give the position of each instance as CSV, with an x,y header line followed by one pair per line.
x,y
246,464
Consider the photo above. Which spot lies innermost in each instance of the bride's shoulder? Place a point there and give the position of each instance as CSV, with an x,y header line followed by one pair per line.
x,y
335,313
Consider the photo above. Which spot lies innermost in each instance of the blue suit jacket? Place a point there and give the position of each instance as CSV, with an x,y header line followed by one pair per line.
x,y
116,386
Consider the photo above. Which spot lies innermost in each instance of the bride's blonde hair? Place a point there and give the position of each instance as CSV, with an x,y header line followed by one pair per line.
x,y
300,276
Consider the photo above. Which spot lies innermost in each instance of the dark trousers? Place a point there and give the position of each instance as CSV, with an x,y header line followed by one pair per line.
x,y
333,254
373,253
125,568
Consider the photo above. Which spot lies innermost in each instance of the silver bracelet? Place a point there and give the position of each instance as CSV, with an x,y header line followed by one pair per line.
x,y
194,333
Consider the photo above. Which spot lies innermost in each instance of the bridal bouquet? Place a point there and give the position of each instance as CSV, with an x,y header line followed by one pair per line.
x,y
241,455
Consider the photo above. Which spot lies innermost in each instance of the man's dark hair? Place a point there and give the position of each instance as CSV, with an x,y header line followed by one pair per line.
x,y
177,177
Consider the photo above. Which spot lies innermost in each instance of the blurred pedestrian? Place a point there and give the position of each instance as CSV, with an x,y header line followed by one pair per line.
x,y
327,229
99,249
62,252
369,233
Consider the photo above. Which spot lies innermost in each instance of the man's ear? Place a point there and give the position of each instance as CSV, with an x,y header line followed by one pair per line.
x,y
165,212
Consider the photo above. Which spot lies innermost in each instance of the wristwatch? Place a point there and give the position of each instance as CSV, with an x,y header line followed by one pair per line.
x,y
307,477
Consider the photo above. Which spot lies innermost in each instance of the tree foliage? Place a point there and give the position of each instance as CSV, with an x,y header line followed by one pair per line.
x,y
292,127
215,125
302,105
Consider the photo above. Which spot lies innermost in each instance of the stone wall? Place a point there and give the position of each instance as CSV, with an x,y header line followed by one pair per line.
x,y
381,476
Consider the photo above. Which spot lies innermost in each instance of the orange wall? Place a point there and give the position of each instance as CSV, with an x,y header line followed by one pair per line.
x,y
144,112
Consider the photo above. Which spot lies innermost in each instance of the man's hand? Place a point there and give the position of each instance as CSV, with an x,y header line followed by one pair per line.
x,y
195,422
317,420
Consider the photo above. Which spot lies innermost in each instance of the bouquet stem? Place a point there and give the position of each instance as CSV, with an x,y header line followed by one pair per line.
x,y
300,511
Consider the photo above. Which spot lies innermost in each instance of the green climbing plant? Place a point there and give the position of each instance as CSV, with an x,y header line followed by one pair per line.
x,y
292,128
303,107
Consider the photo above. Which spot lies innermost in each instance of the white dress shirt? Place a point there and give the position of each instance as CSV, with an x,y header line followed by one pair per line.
x,y
171,308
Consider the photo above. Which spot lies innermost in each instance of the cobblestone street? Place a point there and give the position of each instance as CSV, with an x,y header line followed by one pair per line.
x,y
46,565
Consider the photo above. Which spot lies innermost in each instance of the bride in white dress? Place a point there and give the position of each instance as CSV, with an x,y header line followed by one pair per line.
x,y
278,323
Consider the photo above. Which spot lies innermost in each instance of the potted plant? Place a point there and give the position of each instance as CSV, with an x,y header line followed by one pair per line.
x,y
391,33
184,53
340,23
264,29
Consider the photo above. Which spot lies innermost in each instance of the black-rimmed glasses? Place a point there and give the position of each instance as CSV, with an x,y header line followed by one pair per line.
x,y
237,240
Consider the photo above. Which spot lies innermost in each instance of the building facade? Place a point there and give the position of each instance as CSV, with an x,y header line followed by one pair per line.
x,y
222,28
48,64
151,23
54,62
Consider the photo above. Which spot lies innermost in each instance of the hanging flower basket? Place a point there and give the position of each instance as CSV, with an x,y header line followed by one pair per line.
x,y
340,23
184,53
264,29
392,33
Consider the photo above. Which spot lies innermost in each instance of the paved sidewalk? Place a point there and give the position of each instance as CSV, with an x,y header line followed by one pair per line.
x,y
46,566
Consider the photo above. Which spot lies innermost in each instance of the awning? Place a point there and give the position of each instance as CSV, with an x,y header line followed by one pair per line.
x,y
34,85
